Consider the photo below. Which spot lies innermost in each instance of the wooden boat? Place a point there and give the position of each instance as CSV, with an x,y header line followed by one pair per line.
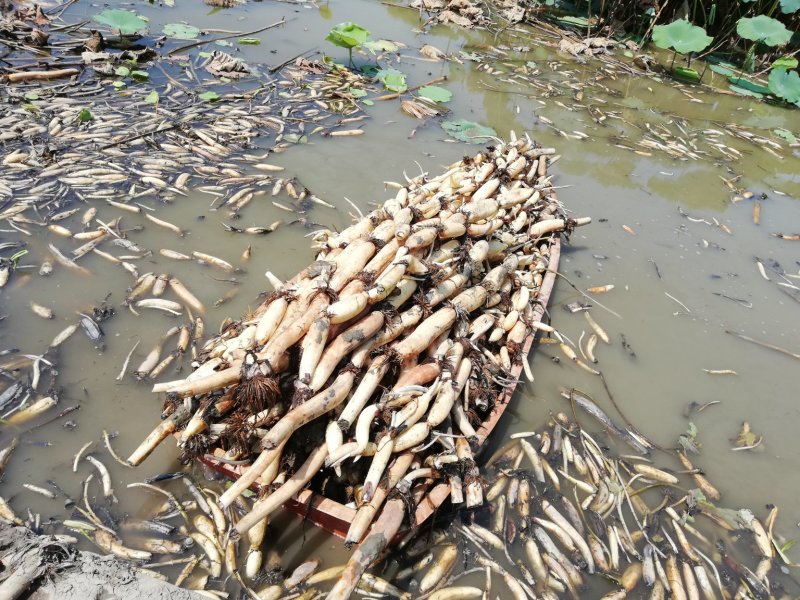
x,y
335,517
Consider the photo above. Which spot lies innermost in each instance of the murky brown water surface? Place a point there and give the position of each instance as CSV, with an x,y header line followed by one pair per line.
x,y
680,282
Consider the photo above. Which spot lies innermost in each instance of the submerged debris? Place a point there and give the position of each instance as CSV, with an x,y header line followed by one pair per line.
x,y
459,12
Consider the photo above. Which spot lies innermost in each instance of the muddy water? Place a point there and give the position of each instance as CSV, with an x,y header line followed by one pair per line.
x,y
674,276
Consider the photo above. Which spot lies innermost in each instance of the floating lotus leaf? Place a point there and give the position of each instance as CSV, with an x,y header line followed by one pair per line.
x,y
786,135
347,35
763,29
376,46
785,85
436,93
723,70
181,31
743,82
392,79
745,92
209,96
467,131
681,36
125,21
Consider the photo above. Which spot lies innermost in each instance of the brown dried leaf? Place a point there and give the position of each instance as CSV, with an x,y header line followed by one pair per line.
x,y
38,37
94,43
40,18
514,14
572,47
221,64
448,16
429,5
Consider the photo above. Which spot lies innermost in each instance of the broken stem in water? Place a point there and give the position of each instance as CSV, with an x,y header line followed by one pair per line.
x,y
764,344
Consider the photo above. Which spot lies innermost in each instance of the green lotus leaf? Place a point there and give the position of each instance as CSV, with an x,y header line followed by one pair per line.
x,y
347,35
681,36
787,62
376,46
467,131
392,79
763,29
181,31
125,21
786,135
744,91
209,96
747,84
723,69
785,85
790,6
435,93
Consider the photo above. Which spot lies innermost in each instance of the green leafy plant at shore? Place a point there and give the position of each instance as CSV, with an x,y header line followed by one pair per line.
x,y
681,36
785,85
763,29
738,37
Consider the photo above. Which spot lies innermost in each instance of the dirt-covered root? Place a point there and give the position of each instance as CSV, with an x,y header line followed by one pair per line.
x,y
41,567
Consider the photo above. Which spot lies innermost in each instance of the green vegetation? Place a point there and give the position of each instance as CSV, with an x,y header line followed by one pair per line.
x,y
392,79
348,35
681,36
737,36
181,31
125,21
353,36
468,131
434,93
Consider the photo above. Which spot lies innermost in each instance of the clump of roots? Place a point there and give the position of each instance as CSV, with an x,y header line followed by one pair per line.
x,y
195,447
257,392
238,432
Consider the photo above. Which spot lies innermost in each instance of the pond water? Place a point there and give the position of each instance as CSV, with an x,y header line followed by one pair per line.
x,y
667,233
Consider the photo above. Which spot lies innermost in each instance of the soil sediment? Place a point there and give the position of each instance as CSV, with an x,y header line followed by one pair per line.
x,y
44,567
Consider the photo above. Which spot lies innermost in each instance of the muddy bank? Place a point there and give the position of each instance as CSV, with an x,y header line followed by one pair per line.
x,y
49,568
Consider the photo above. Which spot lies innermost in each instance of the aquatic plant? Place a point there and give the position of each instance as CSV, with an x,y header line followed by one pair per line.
x,y
125,21
743,35
348,35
